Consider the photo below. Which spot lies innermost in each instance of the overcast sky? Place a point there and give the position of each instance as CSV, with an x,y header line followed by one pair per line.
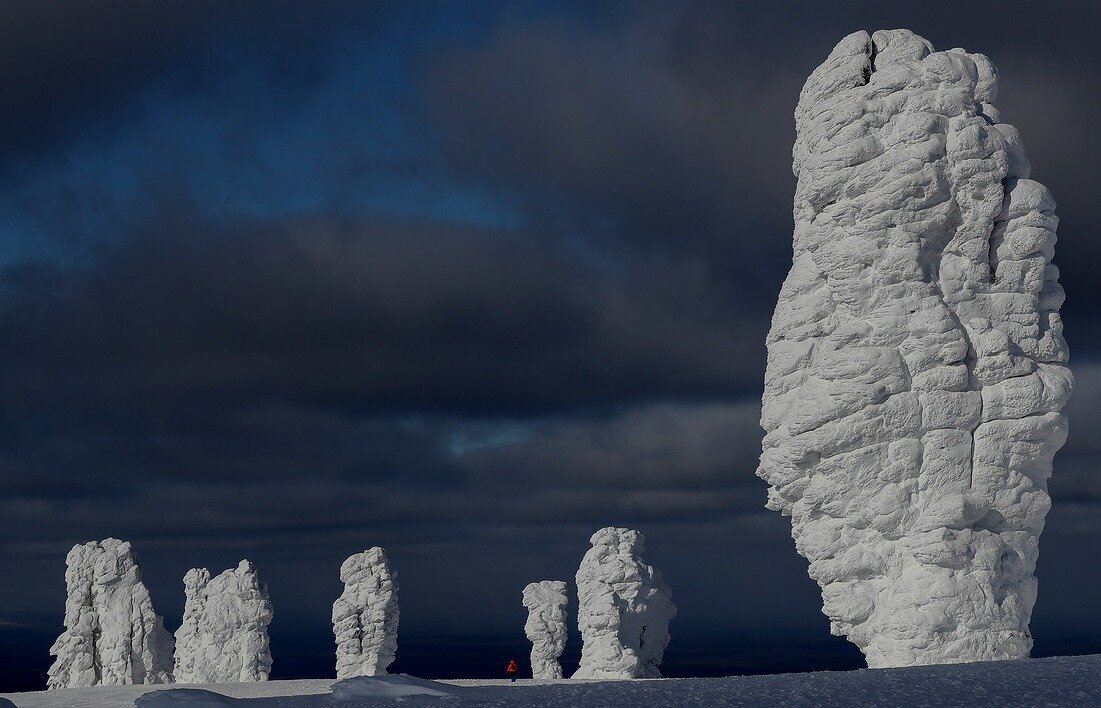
x,y
288,280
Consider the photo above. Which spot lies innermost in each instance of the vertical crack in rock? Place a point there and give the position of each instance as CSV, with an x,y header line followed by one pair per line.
x,y
916,364
365,616
224,635
112,636
546,603
620,599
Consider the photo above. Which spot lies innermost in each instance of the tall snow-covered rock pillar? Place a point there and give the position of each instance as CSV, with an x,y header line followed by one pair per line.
x,y
365,616
112,636
546,603
224,635
916,364
624,609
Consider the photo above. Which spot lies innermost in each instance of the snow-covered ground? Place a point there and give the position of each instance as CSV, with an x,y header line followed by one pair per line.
x,y
1059,681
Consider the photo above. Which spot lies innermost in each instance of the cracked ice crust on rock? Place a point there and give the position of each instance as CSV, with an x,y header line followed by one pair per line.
x,y
916,364
624,609
365,616
112,636
224,635
545,628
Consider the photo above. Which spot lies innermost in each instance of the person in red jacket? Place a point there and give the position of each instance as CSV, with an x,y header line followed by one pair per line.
x,y
511,669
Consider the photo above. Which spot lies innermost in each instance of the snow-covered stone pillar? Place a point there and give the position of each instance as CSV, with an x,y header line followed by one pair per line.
x,y
916,363
112,636
546,626
365,616
624,609
224,635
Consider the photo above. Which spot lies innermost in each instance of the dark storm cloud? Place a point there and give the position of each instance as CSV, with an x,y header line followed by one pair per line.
x,y
662,447
1076,479
59,57
70,68
318,475
679,147
675,123
369,316
375,375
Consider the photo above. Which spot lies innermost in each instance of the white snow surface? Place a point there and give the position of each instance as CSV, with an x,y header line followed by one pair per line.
x,y
365,616
624,609
394,686
224,635
189,697
112,636
545,628
1061,681
916,364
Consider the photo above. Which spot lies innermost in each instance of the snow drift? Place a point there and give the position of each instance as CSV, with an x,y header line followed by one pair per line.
x,y
365,616
546,603
916,363
394,686
187,697
624,609
112,636
224,635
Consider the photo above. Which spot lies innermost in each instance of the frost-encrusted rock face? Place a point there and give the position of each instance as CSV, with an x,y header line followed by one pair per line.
x,y
624,609
916,363
224,635
112,636
546,626
365,616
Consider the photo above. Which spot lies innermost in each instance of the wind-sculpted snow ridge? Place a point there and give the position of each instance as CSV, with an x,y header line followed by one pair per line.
x,y
916,363
624,609
546,626
224,635
399,686
365,616
112,636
